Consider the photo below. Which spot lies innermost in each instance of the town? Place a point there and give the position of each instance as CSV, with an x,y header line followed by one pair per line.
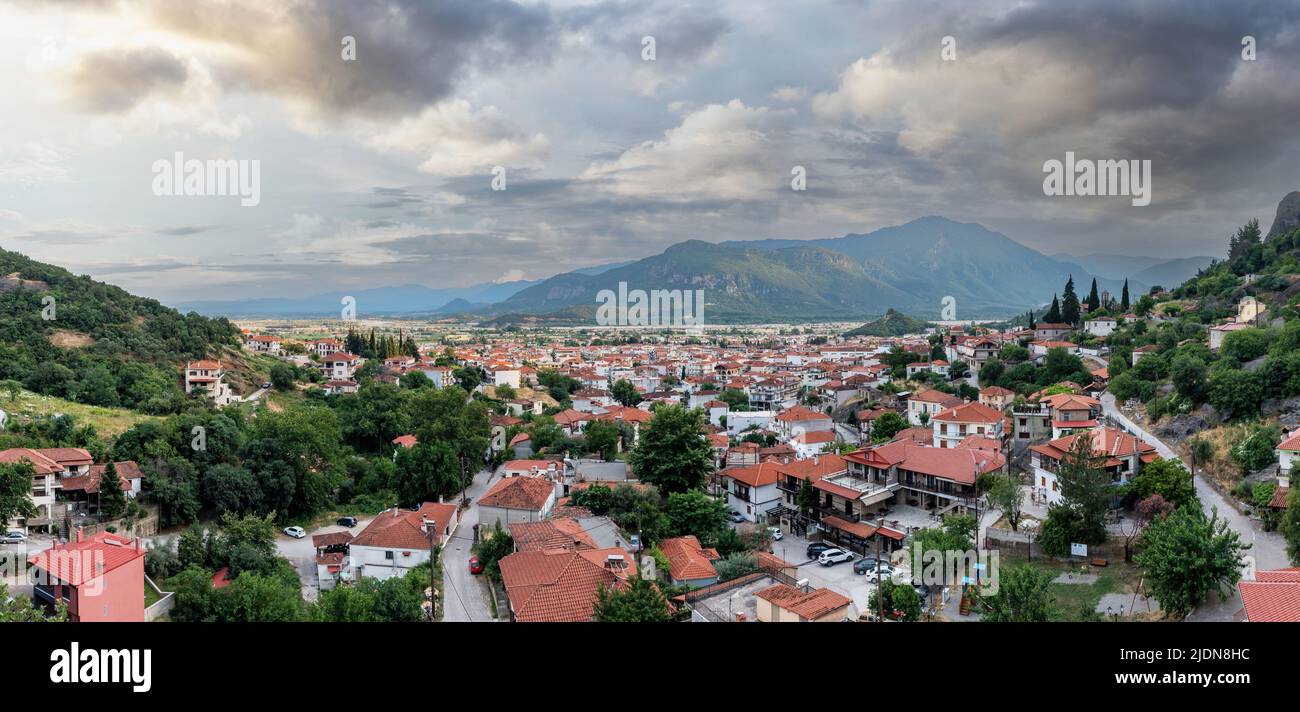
x,y
375,469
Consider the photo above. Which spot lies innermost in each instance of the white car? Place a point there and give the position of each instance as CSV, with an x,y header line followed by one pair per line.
x,y
888,570
295,532
831,557
777,534
13,537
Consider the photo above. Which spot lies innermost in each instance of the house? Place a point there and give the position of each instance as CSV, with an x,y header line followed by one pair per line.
x,y
917,474
1141,351
333,560
207,375
751,490
924,404
1288,451
397,540
810,444
793,421
955,424
85,488
1119,453
550,535
783,603
549,469
325,347
1050,332
1102,326
562,585
1273,597
50,466
689,563
938,367
262,344
100,578
1038,349
517,499
997,397
339,388
340,366
1250,311
1217,333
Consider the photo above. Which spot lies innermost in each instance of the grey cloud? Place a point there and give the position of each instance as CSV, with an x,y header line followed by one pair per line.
x,y
115,80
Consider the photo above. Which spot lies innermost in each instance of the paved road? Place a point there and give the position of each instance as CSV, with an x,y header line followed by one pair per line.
x,y
256,394
465,596
1268,550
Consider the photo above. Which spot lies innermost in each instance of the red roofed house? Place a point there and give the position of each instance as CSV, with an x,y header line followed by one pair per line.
x,y
955,424
207,375
85,488
517,499
925,404
1273,597
784,603
751,490
101,578
1121,454
561,585
688,562
50,466
397,540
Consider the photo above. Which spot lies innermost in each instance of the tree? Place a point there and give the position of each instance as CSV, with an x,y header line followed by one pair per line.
x,y
282,377
1168,479
1085,488
1007,497
1094,301
887,426
901,601
112,502
230,488
672,453
1189,376
1187,555
1145,512
16,490
735,398
1070,303
735,566
1289,527
601,436
638,601
491,549
1201,451
1053,315
625,393
695,513
1024,596
1123,301
19,609
808,498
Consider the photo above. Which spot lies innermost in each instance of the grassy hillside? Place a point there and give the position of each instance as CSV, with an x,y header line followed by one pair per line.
x,y
72,337
107,421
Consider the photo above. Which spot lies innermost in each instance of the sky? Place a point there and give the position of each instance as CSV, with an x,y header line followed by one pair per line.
x,y
377,168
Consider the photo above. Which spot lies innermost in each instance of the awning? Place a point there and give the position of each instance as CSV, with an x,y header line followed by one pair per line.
x,y
858,529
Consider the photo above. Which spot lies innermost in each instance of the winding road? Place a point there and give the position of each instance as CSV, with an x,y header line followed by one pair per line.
x,y
1267,551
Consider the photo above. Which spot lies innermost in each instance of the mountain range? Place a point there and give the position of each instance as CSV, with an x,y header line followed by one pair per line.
x,y
910,267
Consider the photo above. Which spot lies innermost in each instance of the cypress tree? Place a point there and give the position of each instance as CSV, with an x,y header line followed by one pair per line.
x,y
1053,315
1123,300
1070,303
1094,301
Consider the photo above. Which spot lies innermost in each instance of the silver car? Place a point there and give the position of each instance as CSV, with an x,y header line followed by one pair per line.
x,y
13,537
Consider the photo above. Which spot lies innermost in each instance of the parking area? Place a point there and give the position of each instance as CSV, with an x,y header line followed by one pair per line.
x,y
839,578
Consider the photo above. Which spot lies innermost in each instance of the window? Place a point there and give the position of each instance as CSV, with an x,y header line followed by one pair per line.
x,y
388,555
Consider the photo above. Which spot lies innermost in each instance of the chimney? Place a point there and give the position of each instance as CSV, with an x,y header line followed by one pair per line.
x,y
137,543
79,534
816,459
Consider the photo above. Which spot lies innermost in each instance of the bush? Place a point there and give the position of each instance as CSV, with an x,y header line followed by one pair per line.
x,y
162,561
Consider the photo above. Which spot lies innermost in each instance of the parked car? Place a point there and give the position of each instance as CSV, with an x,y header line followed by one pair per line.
x,y
13,537
831,557
863,566
882,570
737,517
347,521
475,566
816,548
295,532
266,386
777,534
634,541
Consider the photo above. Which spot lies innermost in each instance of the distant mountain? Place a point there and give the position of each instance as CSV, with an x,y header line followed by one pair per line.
x,y
1141,269
910,267
891,324
1171,273
403,299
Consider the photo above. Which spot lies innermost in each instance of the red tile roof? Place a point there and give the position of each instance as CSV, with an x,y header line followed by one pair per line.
x,y
127,470
813,604
78,562
561,586
550,535
403,529
1274,597
687,559
529,493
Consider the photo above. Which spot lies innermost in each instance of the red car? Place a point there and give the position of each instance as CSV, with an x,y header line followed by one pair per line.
x,y
474,566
